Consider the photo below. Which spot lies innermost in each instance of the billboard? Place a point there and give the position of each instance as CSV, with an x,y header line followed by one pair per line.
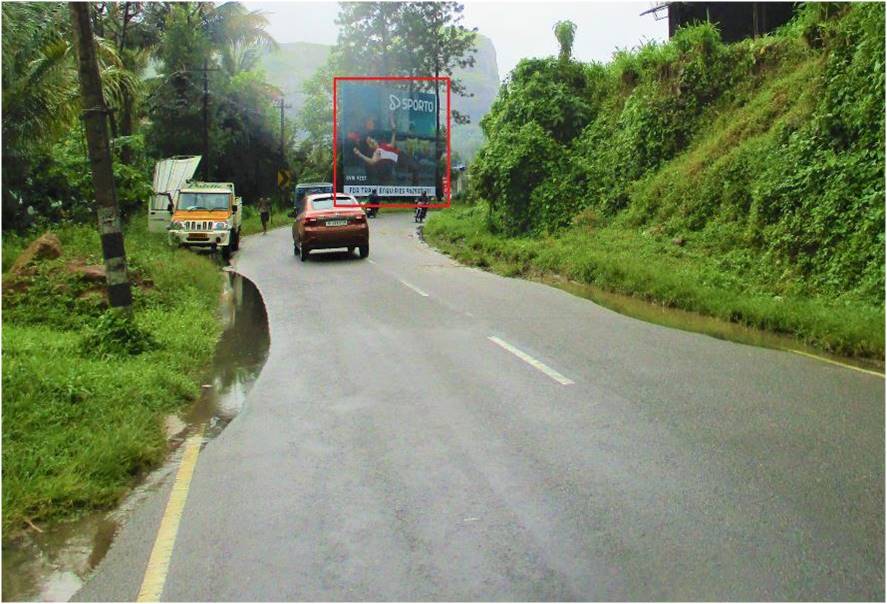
x,y
385,137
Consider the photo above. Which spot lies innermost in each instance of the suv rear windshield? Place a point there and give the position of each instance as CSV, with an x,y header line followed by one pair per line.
x,y
312,191
203,201
326,203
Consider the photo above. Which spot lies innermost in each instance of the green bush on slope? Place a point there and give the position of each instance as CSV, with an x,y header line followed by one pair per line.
x,y
767,154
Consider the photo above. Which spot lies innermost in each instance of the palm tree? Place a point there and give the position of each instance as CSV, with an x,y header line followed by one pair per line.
x,y
239,35
565,32
40,86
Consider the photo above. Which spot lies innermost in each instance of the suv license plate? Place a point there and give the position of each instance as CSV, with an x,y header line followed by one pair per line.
x,y
336,222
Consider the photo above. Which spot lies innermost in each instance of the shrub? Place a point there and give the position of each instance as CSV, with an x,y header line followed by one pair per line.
x,y
115,333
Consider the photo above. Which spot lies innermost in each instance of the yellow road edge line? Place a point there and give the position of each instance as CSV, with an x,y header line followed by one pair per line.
x,y
158,563
838,363
557,377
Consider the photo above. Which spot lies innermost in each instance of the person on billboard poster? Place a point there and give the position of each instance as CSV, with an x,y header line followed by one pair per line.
x,y
384,159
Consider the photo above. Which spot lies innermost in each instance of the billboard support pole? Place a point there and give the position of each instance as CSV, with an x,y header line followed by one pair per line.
x,y
437,132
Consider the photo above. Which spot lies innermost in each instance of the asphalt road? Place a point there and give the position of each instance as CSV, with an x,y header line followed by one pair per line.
x,y
390,450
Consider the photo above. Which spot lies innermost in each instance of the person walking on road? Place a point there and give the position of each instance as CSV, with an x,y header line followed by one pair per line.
x,y
264,208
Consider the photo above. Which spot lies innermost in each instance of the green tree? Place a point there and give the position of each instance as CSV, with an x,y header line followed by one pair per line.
x,y
509,168
565,32
134,30
370,40
436,43
239,36
41,99
243,126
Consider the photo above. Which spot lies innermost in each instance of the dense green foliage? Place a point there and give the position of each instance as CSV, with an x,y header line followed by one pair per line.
x,y
766,155
84,391
244,129
45,171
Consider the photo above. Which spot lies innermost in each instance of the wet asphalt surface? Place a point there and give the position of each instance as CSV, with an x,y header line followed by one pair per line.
x,y
390,451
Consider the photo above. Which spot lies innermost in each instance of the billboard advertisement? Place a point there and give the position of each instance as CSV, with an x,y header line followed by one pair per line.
x,y
386,138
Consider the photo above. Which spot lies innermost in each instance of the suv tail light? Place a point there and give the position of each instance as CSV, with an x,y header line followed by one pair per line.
x,y
311,220
360,218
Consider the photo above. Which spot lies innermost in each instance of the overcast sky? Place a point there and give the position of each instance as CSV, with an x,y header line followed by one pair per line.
x,y
518,29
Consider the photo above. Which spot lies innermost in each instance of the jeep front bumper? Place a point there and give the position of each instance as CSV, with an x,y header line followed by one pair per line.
x,y
199,238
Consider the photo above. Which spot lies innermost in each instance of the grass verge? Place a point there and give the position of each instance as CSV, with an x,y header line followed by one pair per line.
x,y
81,418
652,267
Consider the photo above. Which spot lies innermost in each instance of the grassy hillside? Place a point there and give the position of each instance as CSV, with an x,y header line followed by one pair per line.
x,y
743,181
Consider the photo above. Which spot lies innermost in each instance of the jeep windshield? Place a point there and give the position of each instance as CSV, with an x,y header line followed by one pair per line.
x,y
203,201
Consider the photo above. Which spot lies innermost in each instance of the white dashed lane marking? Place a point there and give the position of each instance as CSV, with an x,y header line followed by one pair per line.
x,y
415,289
557,377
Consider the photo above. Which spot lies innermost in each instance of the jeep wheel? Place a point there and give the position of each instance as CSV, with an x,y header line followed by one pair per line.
x,y
235,240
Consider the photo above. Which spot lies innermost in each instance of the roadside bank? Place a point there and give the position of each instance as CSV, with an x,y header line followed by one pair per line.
x,y
85,395
53,564
659,271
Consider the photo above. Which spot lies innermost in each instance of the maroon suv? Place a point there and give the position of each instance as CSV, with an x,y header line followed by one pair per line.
x,y
320,226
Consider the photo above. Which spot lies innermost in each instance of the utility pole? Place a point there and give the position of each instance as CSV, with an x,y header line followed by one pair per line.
x,y
281,105
437,18
205,120
205,70
95,116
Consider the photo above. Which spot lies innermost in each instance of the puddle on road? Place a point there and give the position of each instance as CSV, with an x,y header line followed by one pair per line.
x,y
52,565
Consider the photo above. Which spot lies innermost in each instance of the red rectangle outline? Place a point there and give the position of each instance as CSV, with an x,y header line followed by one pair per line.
x,y
447,184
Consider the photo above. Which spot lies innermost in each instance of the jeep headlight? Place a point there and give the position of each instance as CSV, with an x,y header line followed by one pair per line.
x,y
176,226
220,226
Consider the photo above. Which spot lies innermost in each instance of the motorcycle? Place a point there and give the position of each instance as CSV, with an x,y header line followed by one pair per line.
x,y
421,211
371,211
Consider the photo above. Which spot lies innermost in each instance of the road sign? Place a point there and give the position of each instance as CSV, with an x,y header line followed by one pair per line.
x,y
284,178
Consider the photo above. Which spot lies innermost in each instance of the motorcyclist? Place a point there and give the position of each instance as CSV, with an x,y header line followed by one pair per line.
x,y
421,207
372,204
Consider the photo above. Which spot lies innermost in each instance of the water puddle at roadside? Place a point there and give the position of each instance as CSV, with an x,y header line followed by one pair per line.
x,y
52,565
691,321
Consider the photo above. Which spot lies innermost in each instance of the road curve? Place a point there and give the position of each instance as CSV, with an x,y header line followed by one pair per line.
x,y
425,431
